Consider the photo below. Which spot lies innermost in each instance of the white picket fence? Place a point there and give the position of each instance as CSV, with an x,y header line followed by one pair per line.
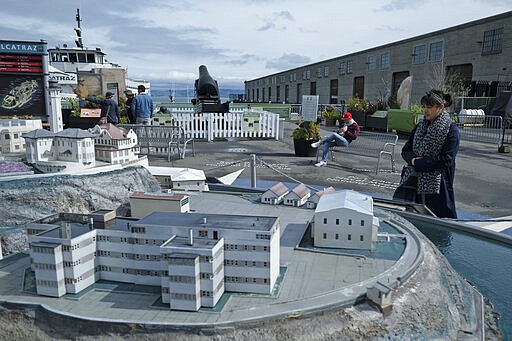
x,y
243,124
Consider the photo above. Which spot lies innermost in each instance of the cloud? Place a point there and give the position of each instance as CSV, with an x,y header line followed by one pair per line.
x,y
387,28
244,59
273,21
395,5
167,40
287,61
267,26
284,15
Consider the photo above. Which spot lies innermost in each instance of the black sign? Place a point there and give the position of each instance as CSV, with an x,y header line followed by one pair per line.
x,y
21,95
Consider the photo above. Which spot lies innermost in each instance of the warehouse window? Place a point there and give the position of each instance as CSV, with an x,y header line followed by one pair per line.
x,y
435,52
371,62
419,54
349,66
343,68
384,61
493,40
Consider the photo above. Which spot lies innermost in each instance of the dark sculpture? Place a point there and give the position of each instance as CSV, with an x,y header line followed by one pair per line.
x,y
206,88
207,94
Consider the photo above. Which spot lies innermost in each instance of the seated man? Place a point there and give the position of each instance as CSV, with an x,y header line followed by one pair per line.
x,y
347,132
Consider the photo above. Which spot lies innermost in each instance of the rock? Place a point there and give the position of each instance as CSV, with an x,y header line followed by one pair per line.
x,y
25,200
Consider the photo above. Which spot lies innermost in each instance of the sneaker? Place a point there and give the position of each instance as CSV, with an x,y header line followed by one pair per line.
x,y
315,144
321,163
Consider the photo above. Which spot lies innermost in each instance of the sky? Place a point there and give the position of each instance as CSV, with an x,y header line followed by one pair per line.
x,y
166,41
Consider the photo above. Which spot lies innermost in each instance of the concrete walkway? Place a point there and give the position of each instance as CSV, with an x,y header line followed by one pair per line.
x,y
482,179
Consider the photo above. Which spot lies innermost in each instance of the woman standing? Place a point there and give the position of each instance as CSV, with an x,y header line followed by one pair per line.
x,y
430,155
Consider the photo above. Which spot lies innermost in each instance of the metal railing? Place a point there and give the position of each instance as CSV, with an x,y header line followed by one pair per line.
x,y
481,128
369,144
161,140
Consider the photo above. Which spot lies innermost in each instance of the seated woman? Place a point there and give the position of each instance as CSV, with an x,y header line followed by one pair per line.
x,y
347,132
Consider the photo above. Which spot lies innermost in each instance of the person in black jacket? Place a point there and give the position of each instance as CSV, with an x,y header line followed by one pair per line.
x,y
109,107
129,99
430,155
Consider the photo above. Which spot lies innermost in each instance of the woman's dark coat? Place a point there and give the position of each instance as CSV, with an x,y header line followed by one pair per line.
x,y
442,204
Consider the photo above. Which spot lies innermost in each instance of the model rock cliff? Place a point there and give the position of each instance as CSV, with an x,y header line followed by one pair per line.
x,y
22,201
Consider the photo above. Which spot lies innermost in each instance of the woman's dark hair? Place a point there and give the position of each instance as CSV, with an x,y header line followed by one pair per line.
x,y
436,98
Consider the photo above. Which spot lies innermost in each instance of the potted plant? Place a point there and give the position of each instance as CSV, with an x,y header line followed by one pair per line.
x,y
358,107
331,116
305,134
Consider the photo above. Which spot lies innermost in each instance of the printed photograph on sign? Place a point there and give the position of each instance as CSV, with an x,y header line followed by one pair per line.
x,y
21,96
251,122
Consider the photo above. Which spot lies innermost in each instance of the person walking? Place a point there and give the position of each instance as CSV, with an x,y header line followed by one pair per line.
x,y
129,113
347,132
430,155
109,107
142,106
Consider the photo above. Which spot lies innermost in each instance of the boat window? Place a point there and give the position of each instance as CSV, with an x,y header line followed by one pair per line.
x,y
72,57
64,57
81,57
90,58
55,57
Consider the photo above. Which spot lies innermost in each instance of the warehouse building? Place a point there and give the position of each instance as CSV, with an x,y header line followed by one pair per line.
x,y
477,54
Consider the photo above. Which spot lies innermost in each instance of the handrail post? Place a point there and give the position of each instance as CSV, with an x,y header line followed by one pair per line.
x,y
253,170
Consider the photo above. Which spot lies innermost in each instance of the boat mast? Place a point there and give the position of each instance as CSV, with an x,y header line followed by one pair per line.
x,y
78,41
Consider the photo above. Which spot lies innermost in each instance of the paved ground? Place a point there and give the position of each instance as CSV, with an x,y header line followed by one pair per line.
x,y
483,183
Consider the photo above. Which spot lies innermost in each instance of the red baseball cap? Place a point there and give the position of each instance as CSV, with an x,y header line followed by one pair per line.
x,y
346,116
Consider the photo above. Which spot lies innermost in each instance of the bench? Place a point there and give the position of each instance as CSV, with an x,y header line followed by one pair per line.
x,y
161,140
369,144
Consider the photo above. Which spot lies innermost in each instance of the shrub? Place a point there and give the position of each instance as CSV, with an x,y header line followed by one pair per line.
x,y
307,131
358,104
331,112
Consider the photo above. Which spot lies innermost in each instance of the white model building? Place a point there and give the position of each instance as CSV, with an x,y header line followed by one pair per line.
x,y
313,200
297,196
275,194
344,219
193,257
142,204
380,294
11,130
184,179
115,145
70,149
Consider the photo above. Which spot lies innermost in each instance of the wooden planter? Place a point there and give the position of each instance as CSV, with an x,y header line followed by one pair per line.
x,y
330,122
359,117
303,147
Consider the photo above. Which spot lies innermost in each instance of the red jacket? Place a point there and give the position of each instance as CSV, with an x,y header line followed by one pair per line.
x,y
352,132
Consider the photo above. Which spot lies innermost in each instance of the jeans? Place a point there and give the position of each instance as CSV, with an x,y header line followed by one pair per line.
x,y
330,141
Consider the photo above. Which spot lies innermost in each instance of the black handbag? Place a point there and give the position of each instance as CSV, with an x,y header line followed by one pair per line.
x,y
408,190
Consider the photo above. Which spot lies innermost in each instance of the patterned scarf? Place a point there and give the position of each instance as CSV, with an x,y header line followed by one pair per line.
x,y
428,141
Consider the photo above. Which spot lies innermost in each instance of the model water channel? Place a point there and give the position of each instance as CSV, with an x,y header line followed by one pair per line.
x,y
485,263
